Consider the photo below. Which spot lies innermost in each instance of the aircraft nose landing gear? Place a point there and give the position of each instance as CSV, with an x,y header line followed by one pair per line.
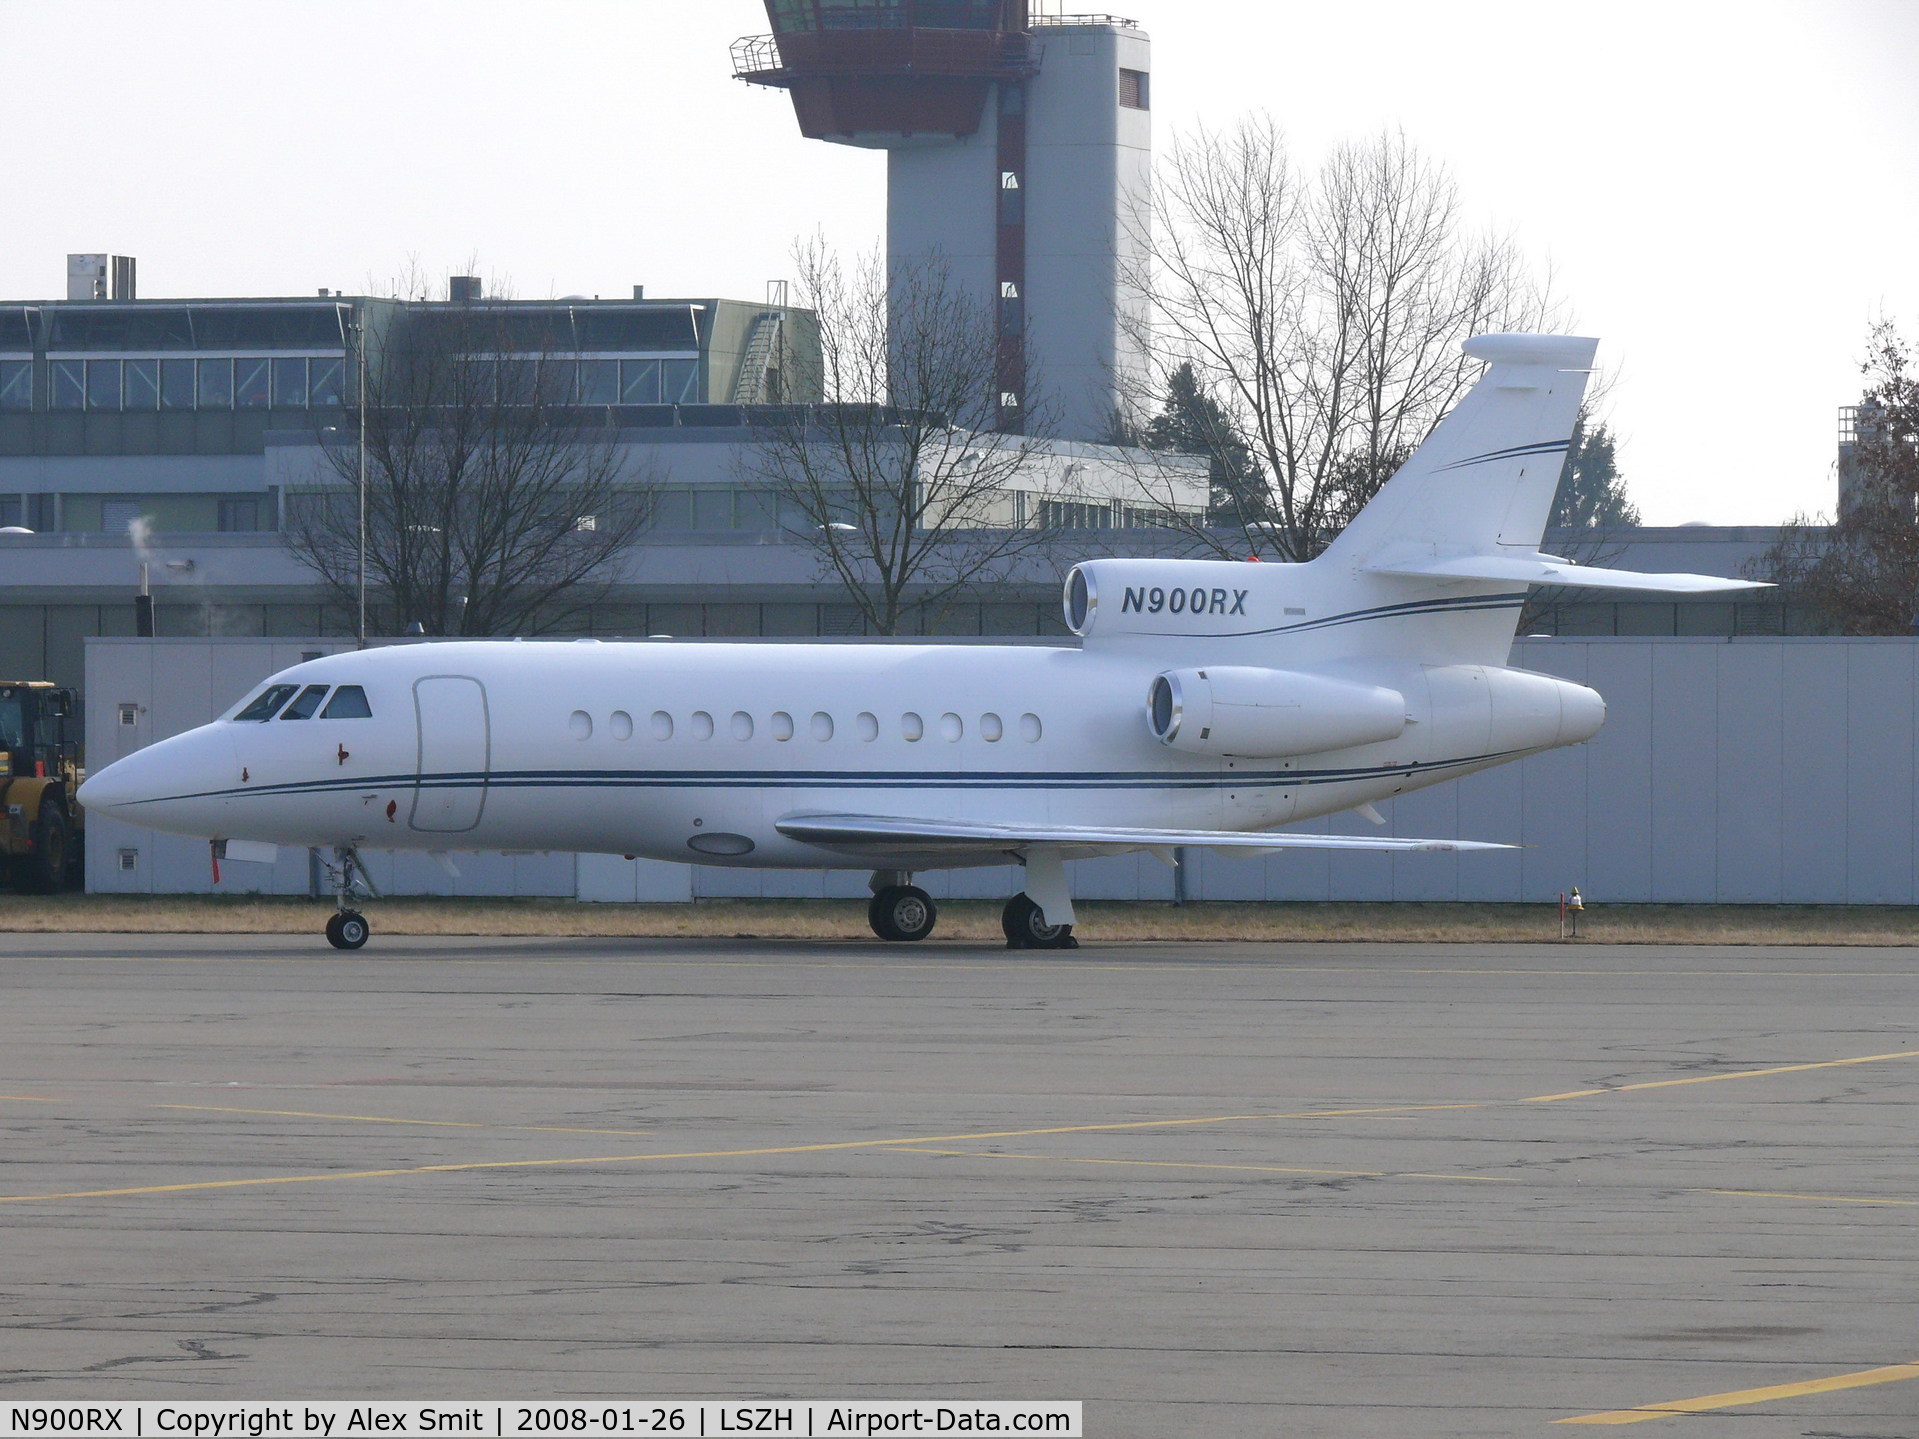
x,y
347,929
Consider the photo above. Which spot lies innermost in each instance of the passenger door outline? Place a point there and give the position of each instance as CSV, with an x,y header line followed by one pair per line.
x,y
454,750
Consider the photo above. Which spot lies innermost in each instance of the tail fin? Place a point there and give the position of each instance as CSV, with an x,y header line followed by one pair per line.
x,y
1484,480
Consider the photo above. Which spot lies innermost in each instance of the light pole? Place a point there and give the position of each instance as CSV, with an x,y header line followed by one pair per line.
x,y
359,334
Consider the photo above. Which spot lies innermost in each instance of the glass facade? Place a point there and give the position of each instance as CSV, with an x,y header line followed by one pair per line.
x,y
599,382
103,384
290,384
216,384
156,383
325,378
16,384
279,326
250,388
176,384
142,385
582,382
794,16
67,384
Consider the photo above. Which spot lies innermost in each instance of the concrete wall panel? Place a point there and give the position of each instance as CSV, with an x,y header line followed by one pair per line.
x,y
1878,804
1763,770
1815,716
1748,759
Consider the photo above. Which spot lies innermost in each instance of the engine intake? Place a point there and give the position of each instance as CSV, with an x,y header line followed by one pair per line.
x,y
1269,714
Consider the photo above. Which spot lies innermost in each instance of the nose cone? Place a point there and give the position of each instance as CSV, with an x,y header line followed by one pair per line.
x,y
179,784
1581,713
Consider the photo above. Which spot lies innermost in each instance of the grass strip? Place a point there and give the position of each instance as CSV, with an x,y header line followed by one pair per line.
x,y
1109,920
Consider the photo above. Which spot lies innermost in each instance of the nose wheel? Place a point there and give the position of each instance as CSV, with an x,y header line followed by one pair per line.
x,y
347,930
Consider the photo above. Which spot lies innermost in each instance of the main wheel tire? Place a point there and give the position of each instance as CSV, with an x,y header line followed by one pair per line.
x,y
902,912
46,867
1024,924
347,930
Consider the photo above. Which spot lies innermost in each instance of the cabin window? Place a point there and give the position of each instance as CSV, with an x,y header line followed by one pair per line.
x,y
581,724
869,727
662,725
742,725
264,707
912,727
951,727
307,705
822,726
782,725
991,729
1030,728
620,726
348,702
701,723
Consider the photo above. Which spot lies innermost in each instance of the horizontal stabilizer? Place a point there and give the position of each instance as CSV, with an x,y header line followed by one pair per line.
x,y
867,833
1538,569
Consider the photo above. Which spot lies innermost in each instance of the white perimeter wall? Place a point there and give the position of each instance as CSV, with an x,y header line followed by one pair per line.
x,y
1732,771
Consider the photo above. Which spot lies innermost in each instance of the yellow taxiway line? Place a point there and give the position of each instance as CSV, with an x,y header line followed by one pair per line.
x,y
1891,1374
1714,1078
924,1140
384,1119
1197,1164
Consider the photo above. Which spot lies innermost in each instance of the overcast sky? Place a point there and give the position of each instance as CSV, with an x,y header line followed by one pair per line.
x,y
1727,194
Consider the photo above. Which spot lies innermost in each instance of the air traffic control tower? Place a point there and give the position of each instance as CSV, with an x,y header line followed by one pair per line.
x,y
1019,149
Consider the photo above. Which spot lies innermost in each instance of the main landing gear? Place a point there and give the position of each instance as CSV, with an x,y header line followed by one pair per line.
x,y
900,911
1025,926
347,929
1041,915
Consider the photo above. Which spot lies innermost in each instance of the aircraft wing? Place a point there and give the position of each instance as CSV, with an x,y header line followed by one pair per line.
x,y
875,833
1537,569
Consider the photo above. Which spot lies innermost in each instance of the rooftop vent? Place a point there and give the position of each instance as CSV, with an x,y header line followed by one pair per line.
x,y
100,277
465,289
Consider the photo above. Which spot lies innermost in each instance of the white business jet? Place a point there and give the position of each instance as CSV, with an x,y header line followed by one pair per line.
x,y
1208,702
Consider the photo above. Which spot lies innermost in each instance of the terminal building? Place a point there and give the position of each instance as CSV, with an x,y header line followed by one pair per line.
x,y
167,436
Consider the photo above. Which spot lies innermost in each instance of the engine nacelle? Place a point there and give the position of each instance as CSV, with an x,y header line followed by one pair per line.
x,y
1269,714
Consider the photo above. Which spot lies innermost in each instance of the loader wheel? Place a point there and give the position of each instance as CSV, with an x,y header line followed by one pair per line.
x,y
46,867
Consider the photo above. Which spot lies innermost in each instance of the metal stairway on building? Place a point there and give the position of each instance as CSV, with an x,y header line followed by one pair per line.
x,y
761,363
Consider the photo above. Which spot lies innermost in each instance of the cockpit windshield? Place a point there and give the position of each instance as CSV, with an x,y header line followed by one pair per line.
x,y
345,702
268,703
305,706
348,702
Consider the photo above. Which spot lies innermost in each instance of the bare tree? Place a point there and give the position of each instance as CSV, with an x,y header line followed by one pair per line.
x,y
1861,572
902,481
494,504
1321,317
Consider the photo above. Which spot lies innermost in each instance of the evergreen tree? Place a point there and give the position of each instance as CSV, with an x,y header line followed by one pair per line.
x,y
1192,422
1592,496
